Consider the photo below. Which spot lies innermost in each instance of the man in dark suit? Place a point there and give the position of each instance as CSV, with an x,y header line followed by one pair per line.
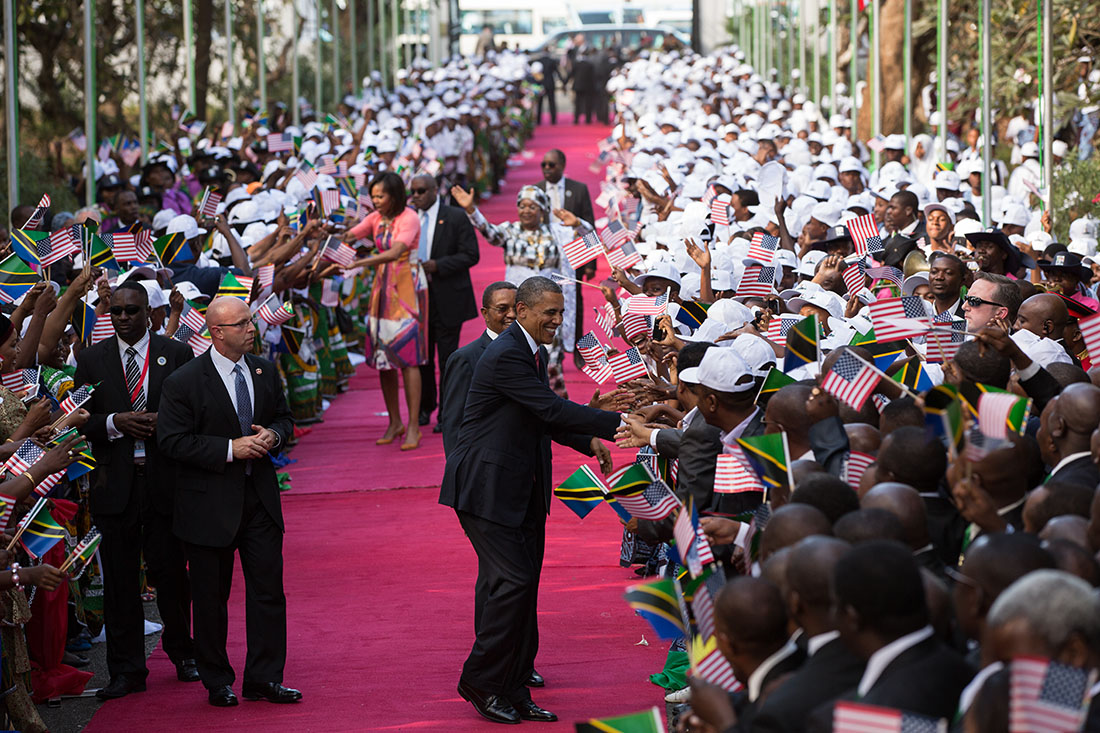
x,y
903,221
132,491
498,308
583,76
220,416
550,76
498,482
1065,429
447,250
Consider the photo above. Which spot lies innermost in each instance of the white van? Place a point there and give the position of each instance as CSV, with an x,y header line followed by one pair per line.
x,y
522,24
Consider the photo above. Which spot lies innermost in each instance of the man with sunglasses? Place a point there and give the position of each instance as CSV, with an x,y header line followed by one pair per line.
x,y
132,491
990,298
448,249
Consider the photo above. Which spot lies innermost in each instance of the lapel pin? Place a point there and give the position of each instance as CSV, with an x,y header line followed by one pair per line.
x,y
259,371
161,361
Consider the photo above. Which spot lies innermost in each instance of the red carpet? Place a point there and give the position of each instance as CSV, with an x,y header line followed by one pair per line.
x,y
379,584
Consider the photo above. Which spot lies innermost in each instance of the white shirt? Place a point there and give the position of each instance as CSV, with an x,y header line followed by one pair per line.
x,y
142,348
427,223
1067,460
966,699
224,367
493,335
559,203
756,679
530,339
881,659
814,643
686,421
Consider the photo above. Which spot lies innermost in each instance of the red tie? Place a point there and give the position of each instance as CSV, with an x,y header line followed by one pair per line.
x,y
538,362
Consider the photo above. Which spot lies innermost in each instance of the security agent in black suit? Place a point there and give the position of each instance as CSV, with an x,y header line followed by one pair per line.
x,y
498,308
498,482
451,251
583,76
220,416
1066,426
903,217
551,74
132,491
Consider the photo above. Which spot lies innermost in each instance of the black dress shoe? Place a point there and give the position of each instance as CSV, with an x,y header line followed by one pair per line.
x,y
491,707
424,418
438,428
187,670
535,680
272,692
222,697
120,687
528,710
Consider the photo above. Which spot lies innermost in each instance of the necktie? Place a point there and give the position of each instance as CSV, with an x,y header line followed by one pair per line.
x,y
244,403
423,255
555,200
134,381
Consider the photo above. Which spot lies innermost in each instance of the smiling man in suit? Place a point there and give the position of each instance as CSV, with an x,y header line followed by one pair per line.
x,y
498,482
220,416
448,249
132,491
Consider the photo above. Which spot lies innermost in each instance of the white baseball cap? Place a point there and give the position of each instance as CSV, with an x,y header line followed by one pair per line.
x,y
723,370
185,223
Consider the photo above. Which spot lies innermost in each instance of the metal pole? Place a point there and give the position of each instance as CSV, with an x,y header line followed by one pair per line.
x,y
853,73
295,76
231,103
395,31
189,54
353,30
907,71
802,48
941,74
334,22
372,62
89,102
261,61
143,110
1048,104
876,74
792,38
833,46
11,105
407,47
987,105
383,46
317,60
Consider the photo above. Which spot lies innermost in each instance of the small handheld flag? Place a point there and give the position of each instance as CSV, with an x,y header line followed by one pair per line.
x,y
762,248
341,253
658,603
82,554
733,474
647,306
851,379
899,318
757,281
210,201
646,721
77,398
16,278
635,325
581,492
273,312
865,234
169,247
627,365
232,287
582,250
801,344
691,543
853,717
769,457
41,533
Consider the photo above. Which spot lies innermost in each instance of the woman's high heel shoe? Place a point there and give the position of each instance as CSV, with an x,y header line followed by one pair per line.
x,y
412,445
387,440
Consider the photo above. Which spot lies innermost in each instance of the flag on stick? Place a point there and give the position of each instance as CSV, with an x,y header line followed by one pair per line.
x,y
210,201
691,543
627,365
801,344
1047,696
41,533
647,306
733,474
83,552
169,247
658,603
762,248
769,457
582,491
77,398
583,250
865,234
851,379
853,717
647,721
16,278
899,318
274,312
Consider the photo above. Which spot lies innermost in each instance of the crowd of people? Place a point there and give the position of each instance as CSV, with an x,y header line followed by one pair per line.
x,y
277,257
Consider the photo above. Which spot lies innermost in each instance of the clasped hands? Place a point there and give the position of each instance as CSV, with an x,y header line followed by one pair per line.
x,y
256,445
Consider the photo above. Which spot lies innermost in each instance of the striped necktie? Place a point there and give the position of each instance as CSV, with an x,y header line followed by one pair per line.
x,y
134,380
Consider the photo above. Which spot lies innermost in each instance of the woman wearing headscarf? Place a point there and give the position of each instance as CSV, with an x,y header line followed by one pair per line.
x,y
922,160
533,246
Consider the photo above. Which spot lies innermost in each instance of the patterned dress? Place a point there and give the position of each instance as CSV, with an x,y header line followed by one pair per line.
x,y
397,320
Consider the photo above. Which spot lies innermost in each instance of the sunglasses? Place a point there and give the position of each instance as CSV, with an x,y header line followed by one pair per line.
x,y
974,302
130,310
549,165
418,191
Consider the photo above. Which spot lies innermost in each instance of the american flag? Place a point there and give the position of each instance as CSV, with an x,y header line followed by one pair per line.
x,y
62,244
274,312
280,142
193,319
779,325
327,165
24,457
306,175
702,603
103,329
12,380
851,380
993,411
210,201
339,252
757,280
1090,332
851,717
592,350
691,543
1047,696
194,339
605,318
77,398
655,502
30,379
942,344
266,273
598,375
716,669
720,210
855,466
865,234
365,204
979,445
123,245
647,306
762,248
733,474
899,318
854,276
627,365
7,505
582,250
890,274
623,257
615,235
330,200
635,325
710,195
38,213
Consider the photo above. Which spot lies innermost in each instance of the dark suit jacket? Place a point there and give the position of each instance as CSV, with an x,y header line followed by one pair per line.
x,y
577,200
747,712
456,385
195,425
824,677
1080,471
101,364
550,72
503,448
897,246
454,249
1041,387
583,75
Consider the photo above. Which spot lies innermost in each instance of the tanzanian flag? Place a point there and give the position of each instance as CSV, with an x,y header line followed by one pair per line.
x,y
913,376
769,457
232,287
692,313
41,534
630,480
100,255
292,339
83,320
581,492
944,415
801,343
82,554
884,353
658,603
647,721
16,278
169,246
775,381
25,243
85,461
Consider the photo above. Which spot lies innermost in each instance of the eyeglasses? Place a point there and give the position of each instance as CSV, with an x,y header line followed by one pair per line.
x,y
974,302
238,324
418,191
549,164
130,310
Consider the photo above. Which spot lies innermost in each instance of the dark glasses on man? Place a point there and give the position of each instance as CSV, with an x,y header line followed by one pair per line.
x,y
974,302
130,310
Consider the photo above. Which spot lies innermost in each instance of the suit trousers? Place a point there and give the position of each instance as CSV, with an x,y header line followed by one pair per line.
x,y
509,563
141,530
260,544
444,340
550,96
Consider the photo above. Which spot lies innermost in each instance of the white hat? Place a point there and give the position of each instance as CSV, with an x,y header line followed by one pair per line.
x,y
894,142
827,213
827,299
162,219
756,352
1041,350
661,269
1059,148
1016,214
850,164
946,180
185,223
723,370
190,290
1029,150
937,206
730,312
910,283
808,266
156,295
